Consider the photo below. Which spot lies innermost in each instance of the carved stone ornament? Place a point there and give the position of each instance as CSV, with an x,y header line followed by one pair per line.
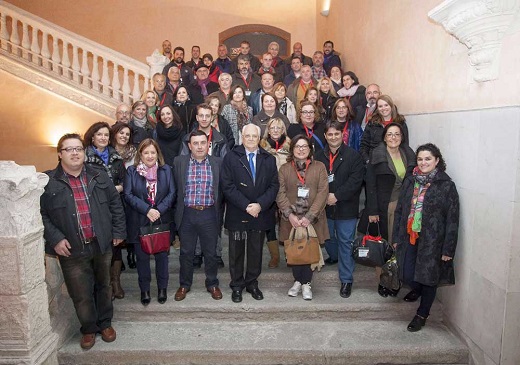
x,y
156,62
480,25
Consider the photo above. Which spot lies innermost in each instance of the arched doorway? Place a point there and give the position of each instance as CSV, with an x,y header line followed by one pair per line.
x,y
258,35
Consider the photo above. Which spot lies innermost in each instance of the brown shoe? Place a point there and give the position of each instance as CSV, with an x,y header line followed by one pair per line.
x,y
215,292
108,334
87,341
181,293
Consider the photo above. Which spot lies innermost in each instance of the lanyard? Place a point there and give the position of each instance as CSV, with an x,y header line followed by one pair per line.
x,y
277,147
302,180
345,128
245,81
305,86
367,114
331,160
309,134
210,136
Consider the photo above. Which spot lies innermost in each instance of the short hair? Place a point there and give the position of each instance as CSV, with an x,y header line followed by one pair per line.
x,y
245,42
318,52
158,74
435,151
203,106
144,144
116,128
398,125
267,73
208,56
305,103
272,121
270,44
333,124
292,146
350,112
224,74
331,43
222,45
66,136
232,91
196,133
195,47
138,103
93,129
243,57
271,95
178,48
340,71
352,76
254,125
143,96
178,89
296,58
266,54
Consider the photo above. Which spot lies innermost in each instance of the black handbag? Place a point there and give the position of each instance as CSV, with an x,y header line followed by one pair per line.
x,y
371,251
155,239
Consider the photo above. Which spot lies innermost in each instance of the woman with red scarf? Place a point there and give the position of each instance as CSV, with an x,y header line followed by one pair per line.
x,y
426,230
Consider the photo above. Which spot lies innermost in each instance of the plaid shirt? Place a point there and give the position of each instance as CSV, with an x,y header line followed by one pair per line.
x,y
199,184
318,74
79,190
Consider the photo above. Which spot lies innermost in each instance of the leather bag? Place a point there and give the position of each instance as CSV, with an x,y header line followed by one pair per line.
x,y
155,238
389,278
302,251
371,251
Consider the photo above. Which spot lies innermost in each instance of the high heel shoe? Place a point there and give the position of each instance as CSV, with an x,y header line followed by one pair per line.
x,y
131,260
145,298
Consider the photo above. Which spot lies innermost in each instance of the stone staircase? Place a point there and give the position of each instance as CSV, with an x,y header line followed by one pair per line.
x,y
364,329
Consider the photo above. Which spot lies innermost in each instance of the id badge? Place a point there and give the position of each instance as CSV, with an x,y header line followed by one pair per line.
x,y
331,178
248,92
363,252
303,192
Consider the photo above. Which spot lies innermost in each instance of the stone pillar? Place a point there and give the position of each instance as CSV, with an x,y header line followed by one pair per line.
x,y
26,335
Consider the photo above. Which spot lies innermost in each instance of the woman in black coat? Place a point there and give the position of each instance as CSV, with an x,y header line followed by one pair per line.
x,y
426,230
149,192
390,163
169,134
185,108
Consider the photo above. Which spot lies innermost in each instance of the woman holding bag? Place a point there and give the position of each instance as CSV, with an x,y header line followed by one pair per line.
x,y
149,192
302,197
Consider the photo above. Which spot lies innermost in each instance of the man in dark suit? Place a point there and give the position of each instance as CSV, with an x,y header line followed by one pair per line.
x,y
198,212
249,182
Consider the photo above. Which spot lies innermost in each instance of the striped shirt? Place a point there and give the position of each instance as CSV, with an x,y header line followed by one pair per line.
x,y
199,184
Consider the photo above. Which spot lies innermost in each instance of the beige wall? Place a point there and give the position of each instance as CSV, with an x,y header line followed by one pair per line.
x,y
33,119
393,43
136,27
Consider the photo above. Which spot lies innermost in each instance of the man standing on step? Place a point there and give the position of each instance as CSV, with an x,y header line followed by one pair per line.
x,y
198,210
123,113
250,183
83,217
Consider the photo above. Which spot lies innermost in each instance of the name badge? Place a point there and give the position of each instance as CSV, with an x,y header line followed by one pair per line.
x,y
303,192
248,92
363,252
331,178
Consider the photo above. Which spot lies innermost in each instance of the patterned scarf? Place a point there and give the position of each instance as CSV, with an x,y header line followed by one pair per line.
x,y
282,106
242,113
150,174
102,155
421,185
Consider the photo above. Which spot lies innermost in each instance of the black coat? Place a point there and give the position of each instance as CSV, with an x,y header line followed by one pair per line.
x,y
115,169
318,131
180,169
358,98
440,227
380,181
187,113
349,171
372,136
219,146
58,211
225,129
137,204
240,191
139,134
169,140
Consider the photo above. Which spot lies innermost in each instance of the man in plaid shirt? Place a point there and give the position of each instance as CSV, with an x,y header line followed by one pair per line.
x,y
83,217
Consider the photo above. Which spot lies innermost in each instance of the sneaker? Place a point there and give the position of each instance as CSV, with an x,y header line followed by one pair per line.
x,y
295,289
306,291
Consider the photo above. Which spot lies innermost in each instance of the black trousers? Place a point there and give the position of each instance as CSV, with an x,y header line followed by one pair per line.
x,y
198,225
427,292
302,273
254,240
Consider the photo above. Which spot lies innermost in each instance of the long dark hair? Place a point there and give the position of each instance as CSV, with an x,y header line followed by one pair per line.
x,y
87,138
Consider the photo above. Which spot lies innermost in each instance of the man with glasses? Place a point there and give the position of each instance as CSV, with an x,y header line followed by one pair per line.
x,y
123,113
250,184
83,217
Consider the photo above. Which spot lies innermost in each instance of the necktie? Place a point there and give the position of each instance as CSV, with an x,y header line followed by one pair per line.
x,y
252,165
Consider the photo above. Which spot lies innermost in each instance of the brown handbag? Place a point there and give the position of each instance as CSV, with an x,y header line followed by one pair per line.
x,y
303,251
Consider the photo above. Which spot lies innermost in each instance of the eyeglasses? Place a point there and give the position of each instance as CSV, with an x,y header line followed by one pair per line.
x,y
393,135
307,112
73,149
302,147
341,107
123,113
275,128
204,116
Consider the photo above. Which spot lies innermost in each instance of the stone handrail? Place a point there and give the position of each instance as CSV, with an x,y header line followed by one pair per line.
x,y
78,61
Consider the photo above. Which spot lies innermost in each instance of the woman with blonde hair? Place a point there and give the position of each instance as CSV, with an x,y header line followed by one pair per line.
x,y
151,100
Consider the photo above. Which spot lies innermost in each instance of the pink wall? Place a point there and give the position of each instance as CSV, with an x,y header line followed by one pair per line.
x,y
136,27
393,43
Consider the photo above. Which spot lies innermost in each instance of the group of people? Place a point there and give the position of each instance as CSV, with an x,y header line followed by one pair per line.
x,y
249,145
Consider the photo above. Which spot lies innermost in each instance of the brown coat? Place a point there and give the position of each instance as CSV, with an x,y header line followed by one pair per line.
x,y
316,181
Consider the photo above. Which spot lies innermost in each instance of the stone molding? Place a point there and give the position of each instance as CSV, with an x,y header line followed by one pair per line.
x,y
480,25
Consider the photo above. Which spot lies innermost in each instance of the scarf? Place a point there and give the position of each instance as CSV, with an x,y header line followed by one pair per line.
x,y
282,106
301,206
127,153
346,133
421,185
203,84
150,174
140,122
344,92
102,155
168,134
242,113
274,144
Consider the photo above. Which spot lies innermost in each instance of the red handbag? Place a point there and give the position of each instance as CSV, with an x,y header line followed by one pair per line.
x,y
155,239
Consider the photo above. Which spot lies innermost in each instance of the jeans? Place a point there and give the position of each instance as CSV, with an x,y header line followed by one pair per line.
x,y
339,246
198,225
87,278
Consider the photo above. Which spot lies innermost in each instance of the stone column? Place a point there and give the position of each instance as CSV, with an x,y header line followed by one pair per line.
x,y
26,335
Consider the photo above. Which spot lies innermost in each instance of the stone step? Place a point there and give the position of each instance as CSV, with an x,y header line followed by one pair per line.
x,y
326,305
276,342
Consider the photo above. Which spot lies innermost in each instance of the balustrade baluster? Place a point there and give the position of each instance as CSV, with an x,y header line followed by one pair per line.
x,y
26,43
95,72
56,56
75,63
85,72
105,80
15,39
126,86
46,54
4,34
65,61
116,86
35,47
136,94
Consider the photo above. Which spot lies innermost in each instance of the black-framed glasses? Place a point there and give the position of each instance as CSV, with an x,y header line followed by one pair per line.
x,y
73,149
